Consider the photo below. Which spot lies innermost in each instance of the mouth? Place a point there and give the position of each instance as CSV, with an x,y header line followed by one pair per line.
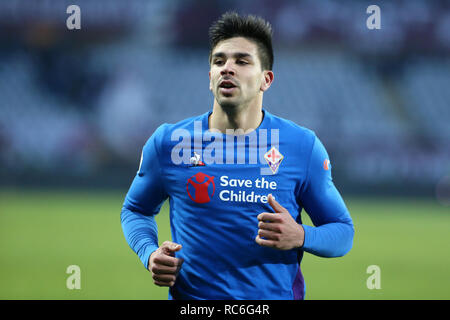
x,y
227,86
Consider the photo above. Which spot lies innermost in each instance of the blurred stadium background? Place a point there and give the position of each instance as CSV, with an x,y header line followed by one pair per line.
x,y
76,107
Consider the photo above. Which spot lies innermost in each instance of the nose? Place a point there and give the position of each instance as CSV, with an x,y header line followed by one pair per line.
x,y
227,69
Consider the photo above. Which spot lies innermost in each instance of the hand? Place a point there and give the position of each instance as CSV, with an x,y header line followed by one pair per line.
x,y
279,229
163,265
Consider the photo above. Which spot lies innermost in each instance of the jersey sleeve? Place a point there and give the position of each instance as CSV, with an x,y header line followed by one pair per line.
x,y
333,230
143,201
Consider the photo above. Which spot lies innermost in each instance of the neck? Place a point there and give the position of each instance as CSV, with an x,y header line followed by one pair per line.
x,y
247,118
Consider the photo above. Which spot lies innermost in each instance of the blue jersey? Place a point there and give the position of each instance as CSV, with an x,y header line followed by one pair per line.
x,y
217,185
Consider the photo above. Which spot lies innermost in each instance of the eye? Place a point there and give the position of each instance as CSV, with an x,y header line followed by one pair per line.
x,y
242,62
218,62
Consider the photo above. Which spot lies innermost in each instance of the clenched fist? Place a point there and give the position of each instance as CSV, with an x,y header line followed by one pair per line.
x,y
163,265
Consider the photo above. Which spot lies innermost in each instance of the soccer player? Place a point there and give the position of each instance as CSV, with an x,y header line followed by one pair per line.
x,y
235,198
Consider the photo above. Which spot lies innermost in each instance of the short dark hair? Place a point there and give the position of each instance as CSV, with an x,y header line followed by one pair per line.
x,y
254,28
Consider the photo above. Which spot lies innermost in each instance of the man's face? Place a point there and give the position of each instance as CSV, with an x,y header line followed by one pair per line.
x,y
236,78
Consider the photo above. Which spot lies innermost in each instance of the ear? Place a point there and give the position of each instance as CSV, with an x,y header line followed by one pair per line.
x,y
267,80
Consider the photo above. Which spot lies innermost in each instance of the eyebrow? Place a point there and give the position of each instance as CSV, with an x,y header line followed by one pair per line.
x,y
235,55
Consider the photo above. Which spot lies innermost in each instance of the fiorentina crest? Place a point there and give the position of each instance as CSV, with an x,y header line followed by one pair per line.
x,y
273,158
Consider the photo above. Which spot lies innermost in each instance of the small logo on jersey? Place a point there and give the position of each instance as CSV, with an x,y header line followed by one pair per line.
x,y
273,158
200,187
195,160
326,164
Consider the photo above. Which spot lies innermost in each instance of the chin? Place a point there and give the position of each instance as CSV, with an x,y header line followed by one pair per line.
x,y
228,105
